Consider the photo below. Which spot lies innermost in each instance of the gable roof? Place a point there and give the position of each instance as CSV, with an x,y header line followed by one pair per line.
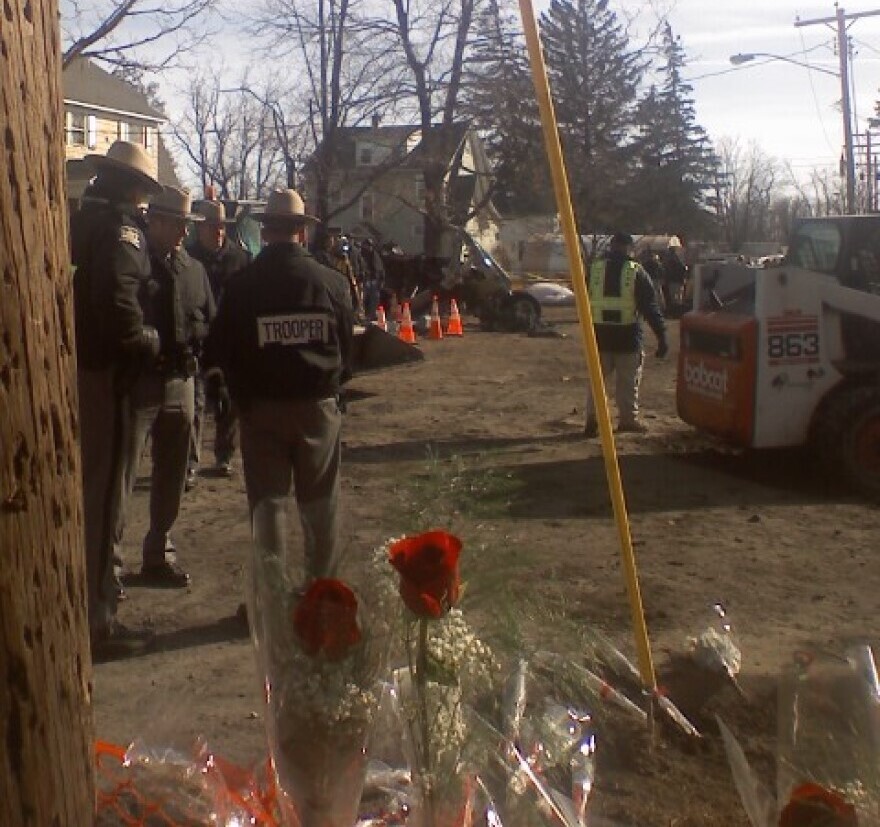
x,y
86,83
395,138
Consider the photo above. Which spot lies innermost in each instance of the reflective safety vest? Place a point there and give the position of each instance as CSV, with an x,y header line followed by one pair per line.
x,y
613,309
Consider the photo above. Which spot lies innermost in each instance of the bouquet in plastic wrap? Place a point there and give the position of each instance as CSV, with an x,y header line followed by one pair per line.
x,y
175,787
322,650
445,663
828,770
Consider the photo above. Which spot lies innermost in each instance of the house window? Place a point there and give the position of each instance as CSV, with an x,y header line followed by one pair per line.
x,y
420,192
365,155
92,127
148,137
76,129
418,230
123,131
367,206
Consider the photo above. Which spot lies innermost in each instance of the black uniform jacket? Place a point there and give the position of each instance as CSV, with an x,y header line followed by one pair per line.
x,y
112,282
283,329
221,264
182,308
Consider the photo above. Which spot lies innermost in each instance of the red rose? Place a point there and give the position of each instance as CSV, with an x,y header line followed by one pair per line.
x,y
325,619
428,567
813,806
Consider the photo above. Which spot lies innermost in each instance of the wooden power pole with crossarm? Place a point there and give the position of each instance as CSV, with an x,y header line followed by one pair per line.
x,y
839,20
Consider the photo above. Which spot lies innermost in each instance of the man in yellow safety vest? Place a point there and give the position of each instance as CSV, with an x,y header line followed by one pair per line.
x,y
621,293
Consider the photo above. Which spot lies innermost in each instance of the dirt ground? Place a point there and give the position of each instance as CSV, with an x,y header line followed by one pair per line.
x,y
484,438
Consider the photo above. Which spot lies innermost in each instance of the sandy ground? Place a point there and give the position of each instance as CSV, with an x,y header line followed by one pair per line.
x,y
484,437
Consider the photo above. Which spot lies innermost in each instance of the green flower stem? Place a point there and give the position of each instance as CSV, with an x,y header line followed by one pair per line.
x,y
422,696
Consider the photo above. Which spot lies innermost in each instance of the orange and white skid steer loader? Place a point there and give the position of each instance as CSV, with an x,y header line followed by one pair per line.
x,y
789,355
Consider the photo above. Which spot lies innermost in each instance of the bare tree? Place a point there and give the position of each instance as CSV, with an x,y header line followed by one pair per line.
x,y
828,192
435,38
46,757
350,71
823,193
151,34
237,139
752,182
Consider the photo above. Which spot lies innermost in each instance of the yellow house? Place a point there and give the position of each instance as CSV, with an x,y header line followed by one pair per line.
x,y
100,108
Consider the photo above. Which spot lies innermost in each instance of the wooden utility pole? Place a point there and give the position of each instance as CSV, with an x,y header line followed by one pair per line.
x,y
46,754
839,20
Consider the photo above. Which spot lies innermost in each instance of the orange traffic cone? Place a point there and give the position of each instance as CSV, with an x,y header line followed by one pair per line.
x,y
453,326
407,332
435,331
380,322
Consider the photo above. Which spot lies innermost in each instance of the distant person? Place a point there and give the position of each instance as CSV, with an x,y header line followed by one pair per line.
x,y
333,250
373,279
281,344
621,293
115,343
222,260
161,402
675,275
651,262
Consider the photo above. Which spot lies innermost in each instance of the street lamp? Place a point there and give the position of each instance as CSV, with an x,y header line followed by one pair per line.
x,y
745,57
843,77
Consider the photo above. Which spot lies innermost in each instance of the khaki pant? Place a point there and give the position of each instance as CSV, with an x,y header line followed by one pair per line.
x,y
161,408
100,419
294,445
626,369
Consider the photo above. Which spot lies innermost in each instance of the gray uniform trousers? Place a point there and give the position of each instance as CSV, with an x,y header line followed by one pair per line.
x,y
195,450
100,419
295,442
225,435
626,368
162,408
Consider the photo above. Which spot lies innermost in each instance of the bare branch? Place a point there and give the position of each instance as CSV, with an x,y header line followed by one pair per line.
x,y
126,33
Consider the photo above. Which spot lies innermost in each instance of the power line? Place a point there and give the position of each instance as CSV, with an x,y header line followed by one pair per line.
x,y
742,67
815,97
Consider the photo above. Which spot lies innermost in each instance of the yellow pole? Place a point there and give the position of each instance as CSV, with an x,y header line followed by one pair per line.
x,y
588,336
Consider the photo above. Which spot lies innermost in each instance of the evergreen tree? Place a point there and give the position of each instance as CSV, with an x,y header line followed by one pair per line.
x,y
501,102
676,164
595,78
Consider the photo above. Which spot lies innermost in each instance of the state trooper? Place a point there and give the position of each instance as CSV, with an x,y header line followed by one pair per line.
x,y
281,344
161,402
115,343
621,293
222,258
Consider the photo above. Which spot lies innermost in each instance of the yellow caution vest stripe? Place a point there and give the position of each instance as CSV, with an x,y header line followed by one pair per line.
x,y
613,309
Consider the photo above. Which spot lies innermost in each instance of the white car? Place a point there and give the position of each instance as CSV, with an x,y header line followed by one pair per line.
x,y
551,294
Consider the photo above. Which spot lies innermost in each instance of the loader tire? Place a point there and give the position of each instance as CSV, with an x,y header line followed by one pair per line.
x,y
848,437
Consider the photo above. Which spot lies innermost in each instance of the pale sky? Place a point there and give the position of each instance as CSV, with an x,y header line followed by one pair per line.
x,y
792,113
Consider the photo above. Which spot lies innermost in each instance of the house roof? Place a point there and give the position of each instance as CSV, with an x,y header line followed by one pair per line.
x,y
395,137
86,83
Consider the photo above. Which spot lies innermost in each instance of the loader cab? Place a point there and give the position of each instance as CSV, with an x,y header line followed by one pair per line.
x,y
846,247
